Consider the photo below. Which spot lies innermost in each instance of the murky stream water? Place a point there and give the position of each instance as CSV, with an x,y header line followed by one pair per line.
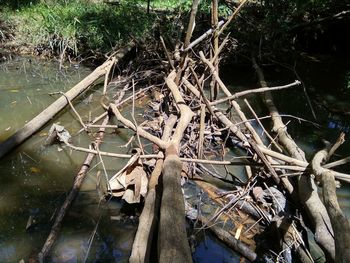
x,y
34,179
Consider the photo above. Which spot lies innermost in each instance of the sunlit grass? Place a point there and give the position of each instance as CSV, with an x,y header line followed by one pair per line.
x,y
78,25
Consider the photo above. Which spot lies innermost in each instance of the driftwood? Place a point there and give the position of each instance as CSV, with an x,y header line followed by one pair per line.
x,y
306,185
149,217
42,118
172,237
79,178
340,223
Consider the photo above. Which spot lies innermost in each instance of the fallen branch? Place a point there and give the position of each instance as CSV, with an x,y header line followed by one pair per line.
x,y
138,129
253,91
229,240
79,178
234,14
257,140
340,223
202,37
42,118
307,188
141,248
172,236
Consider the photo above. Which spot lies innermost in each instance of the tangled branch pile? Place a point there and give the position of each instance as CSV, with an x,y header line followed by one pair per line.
x,y
192,121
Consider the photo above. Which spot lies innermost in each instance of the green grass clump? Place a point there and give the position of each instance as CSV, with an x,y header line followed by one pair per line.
x,y
78,25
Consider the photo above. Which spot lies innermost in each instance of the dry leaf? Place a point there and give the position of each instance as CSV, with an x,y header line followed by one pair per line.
x,y
131,184
259,194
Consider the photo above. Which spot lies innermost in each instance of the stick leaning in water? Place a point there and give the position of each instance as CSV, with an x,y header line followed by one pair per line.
x,y
42,118
79,178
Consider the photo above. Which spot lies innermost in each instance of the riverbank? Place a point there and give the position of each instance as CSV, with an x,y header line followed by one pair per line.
x,y
81,29
76,29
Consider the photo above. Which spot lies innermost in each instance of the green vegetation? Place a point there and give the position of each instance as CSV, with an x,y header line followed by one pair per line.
x,y
82,27
77,26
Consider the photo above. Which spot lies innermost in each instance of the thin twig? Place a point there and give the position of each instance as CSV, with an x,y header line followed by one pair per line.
x,y
262,126
76,113
133,116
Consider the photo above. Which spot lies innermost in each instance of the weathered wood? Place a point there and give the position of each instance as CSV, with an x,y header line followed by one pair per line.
x,y
192,22
234,14
229,240
340,223
257,140
42,118
307,187
78,180
173,245
148,221
138,129
202,37
172,236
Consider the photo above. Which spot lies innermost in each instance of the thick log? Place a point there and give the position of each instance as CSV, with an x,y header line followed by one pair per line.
x,y
172,244
172,237
340,223
141,248
42,118
306,185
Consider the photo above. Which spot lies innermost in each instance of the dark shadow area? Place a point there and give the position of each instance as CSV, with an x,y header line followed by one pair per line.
x,y
17,4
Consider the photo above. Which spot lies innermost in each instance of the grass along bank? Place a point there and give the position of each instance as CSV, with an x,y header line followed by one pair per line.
x,y
76,27
81,28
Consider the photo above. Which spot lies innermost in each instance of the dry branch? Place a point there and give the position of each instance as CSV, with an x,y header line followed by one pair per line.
x,y
192,22
149,216
79,178
253,91
230,240
307,188
257,140
234,14
340,223
202,37
172,237
139,130
42,118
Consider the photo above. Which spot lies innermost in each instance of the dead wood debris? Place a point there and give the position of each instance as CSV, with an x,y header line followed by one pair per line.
x,y
185,134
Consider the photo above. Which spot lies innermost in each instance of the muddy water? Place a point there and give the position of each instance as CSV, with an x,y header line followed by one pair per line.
x,y
34,179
